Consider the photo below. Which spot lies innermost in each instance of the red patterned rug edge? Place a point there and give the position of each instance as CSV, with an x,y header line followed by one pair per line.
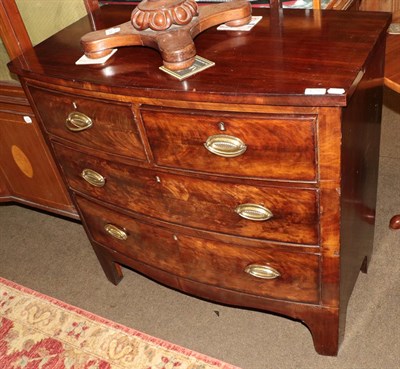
x,y
97,318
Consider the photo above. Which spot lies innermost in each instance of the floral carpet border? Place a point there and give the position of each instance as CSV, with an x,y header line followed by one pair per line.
x,y
76,338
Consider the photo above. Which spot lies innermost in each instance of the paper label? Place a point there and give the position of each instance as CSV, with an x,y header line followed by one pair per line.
x,y
199,65
394,29
27,119
336,91
315,91
246,27
112,31
84,60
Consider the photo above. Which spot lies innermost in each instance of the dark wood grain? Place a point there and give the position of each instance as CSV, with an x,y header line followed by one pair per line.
x,y
177,140
209,262
113,128
195,202
267,67
360,160
312,160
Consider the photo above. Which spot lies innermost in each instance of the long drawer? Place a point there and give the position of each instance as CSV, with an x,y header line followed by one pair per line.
x,y
255,270
263,212
93,123
251,145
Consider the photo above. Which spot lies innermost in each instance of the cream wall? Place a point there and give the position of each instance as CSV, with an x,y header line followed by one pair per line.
x,y
5,75
43,18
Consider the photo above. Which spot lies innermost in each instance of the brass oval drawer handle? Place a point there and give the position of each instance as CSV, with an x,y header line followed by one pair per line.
x,y
262,271
115,232
94,178
254,212
77,122
226,146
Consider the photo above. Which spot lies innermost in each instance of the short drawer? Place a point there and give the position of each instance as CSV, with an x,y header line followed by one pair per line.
x,y
251,145
255,270
98,124
232,208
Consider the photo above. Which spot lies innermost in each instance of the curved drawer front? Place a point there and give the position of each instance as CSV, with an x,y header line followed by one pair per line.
x,y
287,214
97,124
210,262
263,146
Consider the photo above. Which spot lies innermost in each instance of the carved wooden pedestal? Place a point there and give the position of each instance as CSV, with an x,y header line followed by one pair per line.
x,y
168,26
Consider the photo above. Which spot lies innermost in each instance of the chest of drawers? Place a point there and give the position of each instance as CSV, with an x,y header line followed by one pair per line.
x,y
234,185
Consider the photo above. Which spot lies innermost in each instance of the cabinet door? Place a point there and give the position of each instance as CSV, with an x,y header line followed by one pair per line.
x,y
28,174
28,170
4,190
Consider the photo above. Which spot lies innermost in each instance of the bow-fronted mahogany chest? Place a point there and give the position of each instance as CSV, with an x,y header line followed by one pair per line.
x,y
252,183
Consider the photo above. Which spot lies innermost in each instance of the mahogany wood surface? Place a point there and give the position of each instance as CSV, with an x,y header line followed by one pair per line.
x,y
174,199
311,42
359,168
5,192
211,262
199,203
267,156
112,131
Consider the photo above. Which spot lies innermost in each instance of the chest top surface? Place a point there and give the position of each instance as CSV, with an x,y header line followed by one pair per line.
x,y
273,63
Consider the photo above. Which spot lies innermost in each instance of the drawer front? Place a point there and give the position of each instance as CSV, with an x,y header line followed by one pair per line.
x,y
276,147
111,127
255,270
204,204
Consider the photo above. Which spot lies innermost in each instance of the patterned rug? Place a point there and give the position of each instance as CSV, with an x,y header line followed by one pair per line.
x,y
40,332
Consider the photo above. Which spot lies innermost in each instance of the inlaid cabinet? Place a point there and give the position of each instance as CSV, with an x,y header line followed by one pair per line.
x,y
28,173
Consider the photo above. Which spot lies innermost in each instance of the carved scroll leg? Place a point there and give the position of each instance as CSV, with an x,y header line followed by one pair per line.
x,y
111,269
98,44
324,327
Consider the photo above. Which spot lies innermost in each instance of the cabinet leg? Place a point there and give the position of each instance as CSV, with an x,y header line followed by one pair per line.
x,y
324,327
111,269
364,265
